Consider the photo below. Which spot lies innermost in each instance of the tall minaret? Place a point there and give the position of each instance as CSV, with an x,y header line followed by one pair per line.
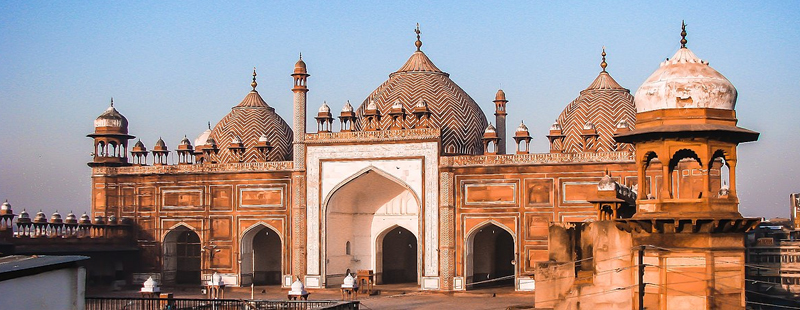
x,y
300,89
298,224
500,118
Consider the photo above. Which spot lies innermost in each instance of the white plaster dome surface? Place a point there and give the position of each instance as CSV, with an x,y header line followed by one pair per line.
x,y
685,81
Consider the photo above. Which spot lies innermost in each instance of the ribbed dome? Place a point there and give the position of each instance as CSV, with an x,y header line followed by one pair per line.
x,y
40,217
599,108
111,118
685,81
71,219
300,66
347,107
324,108
522,127
160,145
6,208
453,111
248,121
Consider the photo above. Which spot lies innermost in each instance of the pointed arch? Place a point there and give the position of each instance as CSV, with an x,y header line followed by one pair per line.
x,y
362,172
176,226
381,255
181,255
719,170
496,260
361,208
261,255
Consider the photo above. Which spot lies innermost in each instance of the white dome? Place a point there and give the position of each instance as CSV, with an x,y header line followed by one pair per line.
x,y
522,127
347,107
685,81
203,137
490,129
349,281
298,288
324,108
397,104
150,286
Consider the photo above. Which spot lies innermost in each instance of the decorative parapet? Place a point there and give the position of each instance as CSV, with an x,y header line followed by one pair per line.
x,y
196,168
626,193
535,159
373,136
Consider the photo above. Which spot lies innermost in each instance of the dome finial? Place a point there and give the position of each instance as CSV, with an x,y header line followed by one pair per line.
x,y
112,102
683,34
418,43
301,55
254,84
604,64
209,125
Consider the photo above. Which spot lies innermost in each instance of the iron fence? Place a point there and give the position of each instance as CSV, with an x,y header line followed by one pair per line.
x,y
114,303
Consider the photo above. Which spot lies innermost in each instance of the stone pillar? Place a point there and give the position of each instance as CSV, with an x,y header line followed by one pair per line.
x,y
298,223
446,232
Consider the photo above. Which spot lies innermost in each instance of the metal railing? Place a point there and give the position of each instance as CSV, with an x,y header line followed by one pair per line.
x,y
114,303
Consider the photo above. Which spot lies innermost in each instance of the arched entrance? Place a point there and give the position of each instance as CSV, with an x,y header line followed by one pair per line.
x,y
182,256
490,257
358,214
261,256
398,259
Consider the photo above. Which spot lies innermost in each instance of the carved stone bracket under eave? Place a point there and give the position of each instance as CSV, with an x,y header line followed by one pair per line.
x,y
687,225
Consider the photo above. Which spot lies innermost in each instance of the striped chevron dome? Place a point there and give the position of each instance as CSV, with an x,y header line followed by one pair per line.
x,y
590,121
453,111
248,121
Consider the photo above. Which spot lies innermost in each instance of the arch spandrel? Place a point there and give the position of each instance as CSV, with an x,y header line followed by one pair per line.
x,y
506,223
328,194
257,226
177,226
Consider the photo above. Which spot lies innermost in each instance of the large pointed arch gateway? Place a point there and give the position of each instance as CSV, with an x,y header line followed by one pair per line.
x,y
182,256
490,256
261,256
359,213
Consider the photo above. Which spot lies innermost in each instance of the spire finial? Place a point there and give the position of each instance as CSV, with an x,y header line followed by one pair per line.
x,y
254,84
112,102
209,125
604,64
683,34
301,55
418,43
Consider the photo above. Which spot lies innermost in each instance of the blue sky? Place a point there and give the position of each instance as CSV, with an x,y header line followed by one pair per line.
x,y
173,66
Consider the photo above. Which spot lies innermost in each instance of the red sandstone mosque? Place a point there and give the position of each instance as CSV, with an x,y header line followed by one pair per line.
x,y
416,187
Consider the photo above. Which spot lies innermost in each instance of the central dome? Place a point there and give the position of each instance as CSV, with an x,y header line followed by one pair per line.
x,y
453,111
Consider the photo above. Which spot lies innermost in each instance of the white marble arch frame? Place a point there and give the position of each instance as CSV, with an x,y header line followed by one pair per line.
x,y
343,183
255,228
469,241
378,244
427,152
